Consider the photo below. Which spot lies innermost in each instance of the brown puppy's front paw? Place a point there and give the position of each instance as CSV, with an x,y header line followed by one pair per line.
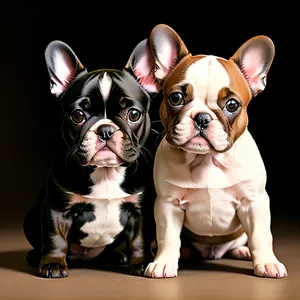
x,y
162,270
53,270
270,270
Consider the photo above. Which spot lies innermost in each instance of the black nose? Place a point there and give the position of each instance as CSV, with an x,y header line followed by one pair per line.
x,y
105,132
202,120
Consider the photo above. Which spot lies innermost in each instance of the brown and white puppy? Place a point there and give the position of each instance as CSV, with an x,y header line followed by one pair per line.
x,y
209,175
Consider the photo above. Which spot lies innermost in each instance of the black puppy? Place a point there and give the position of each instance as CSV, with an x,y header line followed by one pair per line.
x,y
99,193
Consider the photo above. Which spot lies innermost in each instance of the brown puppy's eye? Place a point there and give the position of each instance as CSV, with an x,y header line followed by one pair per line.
x,y
133,115
232,105
176,99
77,116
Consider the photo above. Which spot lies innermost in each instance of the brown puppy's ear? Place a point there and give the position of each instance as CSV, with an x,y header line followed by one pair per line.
x,y
254,58
141,65
167,48
63,66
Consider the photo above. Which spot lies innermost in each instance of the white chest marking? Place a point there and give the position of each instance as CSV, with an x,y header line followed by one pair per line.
x,y
107,183
103,230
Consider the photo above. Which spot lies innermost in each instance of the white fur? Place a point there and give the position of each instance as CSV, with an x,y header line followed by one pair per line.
x,y
219,198
105,85
103,230
107,183
207,76
211,193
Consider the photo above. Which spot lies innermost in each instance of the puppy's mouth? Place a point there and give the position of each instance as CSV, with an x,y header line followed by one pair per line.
x,y
106,145
105,157
197,144
191,138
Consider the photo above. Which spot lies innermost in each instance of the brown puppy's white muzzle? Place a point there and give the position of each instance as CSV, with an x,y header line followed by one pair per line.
x,y
203,133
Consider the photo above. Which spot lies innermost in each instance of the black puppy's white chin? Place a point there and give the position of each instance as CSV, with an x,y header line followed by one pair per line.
x,y
106,162
105,158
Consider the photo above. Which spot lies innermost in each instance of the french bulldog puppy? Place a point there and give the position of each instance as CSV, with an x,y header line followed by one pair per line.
x,y
99,192
208,172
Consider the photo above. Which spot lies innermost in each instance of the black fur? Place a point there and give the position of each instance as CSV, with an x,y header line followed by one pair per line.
x,y
72,167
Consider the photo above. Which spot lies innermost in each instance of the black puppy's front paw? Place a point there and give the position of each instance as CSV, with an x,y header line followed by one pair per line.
x,y
53,270
33,258
115,258
139,268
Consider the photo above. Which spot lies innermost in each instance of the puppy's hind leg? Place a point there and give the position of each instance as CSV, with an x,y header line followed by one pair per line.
x,y
236,249
239,250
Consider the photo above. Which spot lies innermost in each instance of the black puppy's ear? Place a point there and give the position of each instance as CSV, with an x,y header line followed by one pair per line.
x,y
63,66
141,64
168,49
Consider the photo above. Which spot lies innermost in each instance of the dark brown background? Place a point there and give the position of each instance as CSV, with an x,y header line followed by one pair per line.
x,y
104,35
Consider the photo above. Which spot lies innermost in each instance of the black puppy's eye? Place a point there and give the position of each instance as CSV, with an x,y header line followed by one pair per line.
x,y
133,115
176,99
77,116
232,105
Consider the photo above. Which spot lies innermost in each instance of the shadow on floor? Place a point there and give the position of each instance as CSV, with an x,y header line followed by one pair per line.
x,y
16,261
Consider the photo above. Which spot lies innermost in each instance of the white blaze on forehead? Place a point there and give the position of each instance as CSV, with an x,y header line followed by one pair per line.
x,y
207,76
105,84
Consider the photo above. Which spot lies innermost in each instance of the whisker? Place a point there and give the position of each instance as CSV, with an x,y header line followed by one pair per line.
x,y
71,154
146,153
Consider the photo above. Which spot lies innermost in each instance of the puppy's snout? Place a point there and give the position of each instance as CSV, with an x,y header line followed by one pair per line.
x,y
105,132
202,120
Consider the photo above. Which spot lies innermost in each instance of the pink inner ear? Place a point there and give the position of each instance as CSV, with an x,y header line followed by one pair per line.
x,y
166,59
64,71
253,65
144,73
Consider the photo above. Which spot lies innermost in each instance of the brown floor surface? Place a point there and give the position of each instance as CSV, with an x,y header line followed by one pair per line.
x,y
222,279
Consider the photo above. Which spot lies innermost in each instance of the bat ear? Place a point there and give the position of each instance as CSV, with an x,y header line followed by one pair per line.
x,y
63,66
167,48
254,58
141,65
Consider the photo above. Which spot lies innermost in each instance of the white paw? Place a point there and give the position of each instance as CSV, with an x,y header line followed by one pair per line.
x,y
270,270
161,270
